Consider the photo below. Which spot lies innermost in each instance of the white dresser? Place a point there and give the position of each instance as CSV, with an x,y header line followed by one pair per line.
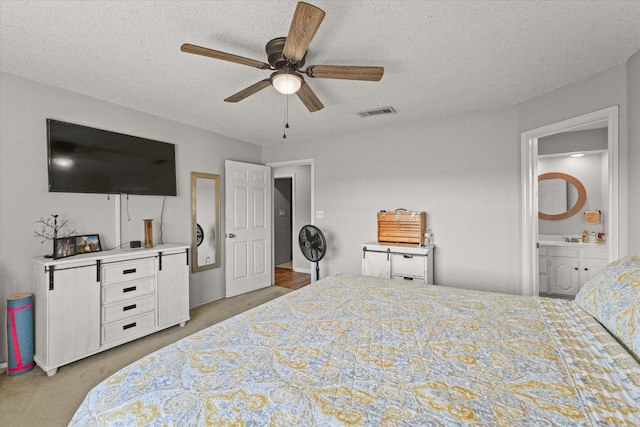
x,y
89,303
399,262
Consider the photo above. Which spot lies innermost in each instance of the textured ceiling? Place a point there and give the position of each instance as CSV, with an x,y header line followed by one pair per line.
x,y
440,57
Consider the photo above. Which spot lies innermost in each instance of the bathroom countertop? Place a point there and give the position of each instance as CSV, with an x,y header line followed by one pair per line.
x,y
571,244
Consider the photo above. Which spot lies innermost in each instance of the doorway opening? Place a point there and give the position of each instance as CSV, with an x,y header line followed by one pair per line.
x,y
530,175
293,184
283,202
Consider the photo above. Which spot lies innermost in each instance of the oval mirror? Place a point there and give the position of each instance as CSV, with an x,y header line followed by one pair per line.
x,y
559,196
205,221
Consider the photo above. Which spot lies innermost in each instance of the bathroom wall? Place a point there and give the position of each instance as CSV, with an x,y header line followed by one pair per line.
x,y
568,142
591,171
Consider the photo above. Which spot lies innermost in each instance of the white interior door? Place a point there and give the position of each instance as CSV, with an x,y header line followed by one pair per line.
x,y
248,227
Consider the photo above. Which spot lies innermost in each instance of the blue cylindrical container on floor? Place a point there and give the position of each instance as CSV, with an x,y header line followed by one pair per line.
x,y
20,334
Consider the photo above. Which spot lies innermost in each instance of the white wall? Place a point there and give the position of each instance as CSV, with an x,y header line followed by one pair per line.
x,y
462,170
24,106
567,142
633,153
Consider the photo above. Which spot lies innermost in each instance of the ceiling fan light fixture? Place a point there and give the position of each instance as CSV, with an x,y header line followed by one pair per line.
x,y
285,82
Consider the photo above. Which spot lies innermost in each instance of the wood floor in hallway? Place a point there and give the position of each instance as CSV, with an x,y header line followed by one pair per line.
x,y
290,279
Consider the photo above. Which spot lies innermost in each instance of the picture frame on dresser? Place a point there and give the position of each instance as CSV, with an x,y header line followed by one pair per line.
x,y
64,247
88,243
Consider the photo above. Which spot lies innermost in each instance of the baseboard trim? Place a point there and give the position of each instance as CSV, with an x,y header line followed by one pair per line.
x,y
206,302
302,270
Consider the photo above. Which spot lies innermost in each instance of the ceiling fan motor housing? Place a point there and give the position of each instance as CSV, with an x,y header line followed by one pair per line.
x,y
274,50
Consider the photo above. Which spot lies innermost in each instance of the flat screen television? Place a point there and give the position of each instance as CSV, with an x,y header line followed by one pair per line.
x,y
87,160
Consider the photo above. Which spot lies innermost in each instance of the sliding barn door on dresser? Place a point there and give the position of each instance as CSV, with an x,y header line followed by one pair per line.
x,y
399,262
67,311
173,290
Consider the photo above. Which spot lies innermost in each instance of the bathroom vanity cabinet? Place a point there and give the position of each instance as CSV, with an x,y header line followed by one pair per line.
x,y
564,269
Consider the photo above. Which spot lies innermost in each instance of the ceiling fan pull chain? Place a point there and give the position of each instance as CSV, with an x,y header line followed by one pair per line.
x,y
286,119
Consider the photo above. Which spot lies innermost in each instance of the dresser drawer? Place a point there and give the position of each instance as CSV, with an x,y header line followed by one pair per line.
x,y
410,279
128,308
408,265
130,270
128,327
128,290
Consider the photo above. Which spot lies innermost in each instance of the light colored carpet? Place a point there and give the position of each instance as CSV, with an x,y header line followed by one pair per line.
x,y
34,399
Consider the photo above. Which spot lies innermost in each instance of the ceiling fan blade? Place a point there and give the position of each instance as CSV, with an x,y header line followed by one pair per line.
x,y
309,98
244,93
305,23
347,72
199,50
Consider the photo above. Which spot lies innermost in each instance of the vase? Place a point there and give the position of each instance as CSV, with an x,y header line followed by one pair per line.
x,y
148,233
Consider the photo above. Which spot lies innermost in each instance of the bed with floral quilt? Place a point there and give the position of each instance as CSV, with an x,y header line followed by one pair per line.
x,y
355,350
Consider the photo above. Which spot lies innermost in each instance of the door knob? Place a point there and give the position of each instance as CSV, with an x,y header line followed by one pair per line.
x,y
231,235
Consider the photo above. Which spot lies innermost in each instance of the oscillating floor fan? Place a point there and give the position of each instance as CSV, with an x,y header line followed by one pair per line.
x,y
313,245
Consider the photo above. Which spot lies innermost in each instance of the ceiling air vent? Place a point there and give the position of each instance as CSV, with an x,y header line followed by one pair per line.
x,y
377,112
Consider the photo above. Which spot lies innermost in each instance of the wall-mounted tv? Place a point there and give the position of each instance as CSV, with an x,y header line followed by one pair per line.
x,y
87,160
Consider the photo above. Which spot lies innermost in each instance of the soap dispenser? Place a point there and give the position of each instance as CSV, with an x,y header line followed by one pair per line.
x,y
585,237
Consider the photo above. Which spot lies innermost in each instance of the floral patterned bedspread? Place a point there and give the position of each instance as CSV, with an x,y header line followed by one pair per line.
x,y
354,350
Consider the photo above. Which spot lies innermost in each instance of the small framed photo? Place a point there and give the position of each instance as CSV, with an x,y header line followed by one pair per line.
x,y
88,243
64,247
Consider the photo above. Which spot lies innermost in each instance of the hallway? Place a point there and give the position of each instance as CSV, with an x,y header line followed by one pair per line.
x,y
288,278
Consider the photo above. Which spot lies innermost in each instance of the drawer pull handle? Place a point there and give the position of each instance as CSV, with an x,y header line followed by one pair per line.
x,y
129,271
129,326
129,289
129,307
408,256
407,278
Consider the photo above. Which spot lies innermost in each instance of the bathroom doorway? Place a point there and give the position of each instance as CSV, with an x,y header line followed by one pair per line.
x,y
531,143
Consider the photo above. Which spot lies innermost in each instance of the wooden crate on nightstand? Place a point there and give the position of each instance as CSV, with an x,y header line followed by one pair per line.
x,y
402,227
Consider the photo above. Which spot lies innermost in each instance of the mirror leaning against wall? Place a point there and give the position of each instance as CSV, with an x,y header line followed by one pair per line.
x,y
205,221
